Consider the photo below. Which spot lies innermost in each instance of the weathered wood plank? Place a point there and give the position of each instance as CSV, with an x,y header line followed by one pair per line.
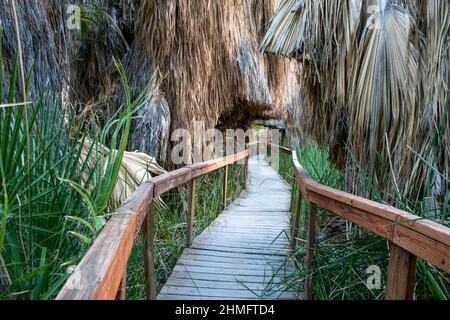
x,y
233,260
228,293
226,277
241,265
236,255
272,287
268,251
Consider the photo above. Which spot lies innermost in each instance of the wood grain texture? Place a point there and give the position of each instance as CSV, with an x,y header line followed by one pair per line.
x,y
243,253
401,279
178,177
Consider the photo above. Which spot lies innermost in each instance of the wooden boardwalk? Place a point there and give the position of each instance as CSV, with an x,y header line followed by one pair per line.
x,y
243,254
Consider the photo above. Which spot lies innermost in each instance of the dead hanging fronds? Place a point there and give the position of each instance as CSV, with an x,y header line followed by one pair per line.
x,y
384,86
375,82
287,30
212,61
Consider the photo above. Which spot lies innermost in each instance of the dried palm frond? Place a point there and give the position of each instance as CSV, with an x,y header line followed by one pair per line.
x,y
376,85
384,89
208,51
135,168
287,30
212,62
433,129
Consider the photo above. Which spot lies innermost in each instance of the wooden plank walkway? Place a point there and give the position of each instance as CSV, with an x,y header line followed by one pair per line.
x,y
243,254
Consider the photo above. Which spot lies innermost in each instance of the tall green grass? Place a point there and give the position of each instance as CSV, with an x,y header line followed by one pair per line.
x,y
344,253
43,235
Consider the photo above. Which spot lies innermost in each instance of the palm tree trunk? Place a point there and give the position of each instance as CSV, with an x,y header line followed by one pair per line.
x,y
44,41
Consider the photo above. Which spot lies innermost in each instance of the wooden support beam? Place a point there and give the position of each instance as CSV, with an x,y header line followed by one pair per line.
x,y
225,187
149,261
190,213
401,274
294,181
296,226
246,172
310,251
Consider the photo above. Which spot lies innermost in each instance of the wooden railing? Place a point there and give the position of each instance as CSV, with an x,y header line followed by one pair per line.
x,y
411,236
101,274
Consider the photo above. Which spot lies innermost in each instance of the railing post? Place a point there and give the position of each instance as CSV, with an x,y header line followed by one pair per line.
x,y
190,213
149,262
246,172
294,178
401,274
122,293
310,251
296,226
225,187
284,165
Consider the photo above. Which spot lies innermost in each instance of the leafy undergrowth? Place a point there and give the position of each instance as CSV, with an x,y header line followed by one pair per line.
x,y
56,187
345,253
170,229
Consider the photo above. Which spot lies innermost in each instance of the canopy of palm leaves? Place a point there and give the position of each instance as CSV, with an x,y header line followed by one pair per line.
x,y
374,83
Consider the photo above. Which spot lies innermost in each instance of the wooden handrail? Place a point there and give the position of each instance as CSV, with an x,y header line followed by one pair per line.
x,y
411,235
101,273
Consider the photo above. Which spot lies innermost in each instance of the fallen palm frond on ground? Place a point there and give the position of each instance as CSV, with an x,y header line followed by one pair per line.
x,y
373,82
135,168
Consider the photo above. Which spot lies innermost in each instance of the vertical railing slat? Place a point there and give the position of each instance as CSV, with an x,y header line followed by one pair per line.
x,y
225,187
190,213
246,172
310,251
296,226
149,262
401,274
